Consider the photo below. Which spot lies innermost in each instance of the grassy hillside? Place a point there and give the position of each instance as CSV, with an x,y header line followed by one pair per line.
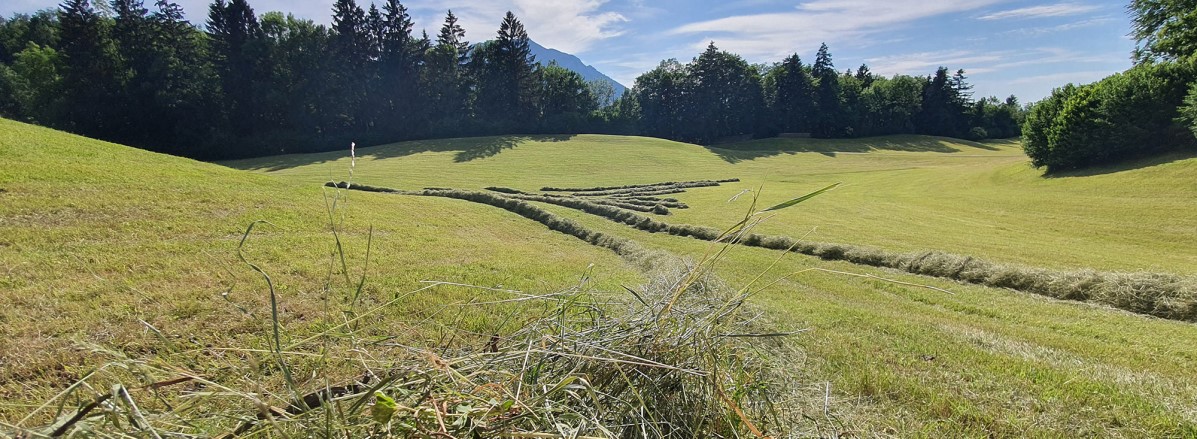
x,y
104,247
99,243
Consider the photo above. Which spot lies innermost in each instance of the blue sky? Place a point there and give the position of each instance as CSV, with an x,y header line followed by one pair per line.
x,y
1018,47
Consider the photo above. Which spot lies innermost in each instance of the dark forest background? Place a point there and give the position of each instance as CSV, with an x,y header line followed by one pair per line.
x,y
245,85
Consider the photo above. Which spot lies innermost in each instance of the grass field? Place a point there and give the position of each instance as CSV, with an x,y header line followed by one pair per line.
x,y
899,193
99,243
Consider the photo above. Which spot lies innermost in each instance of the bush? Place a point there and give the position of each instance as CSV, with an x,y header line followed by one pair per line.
x,y
978,133
1127,115
1079,134
1188,113
1038,123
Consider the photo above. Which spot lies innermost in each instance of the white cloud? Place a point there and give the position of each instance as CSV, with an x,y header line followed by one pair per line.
x,y
774,35
1037,31
924,63
1081,77
1056,10
571,26
974,63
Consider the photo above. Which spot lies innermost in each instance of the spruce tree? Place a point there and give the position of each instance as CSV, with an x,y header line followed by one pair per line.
x,y
823,65
864,76
375,32
133,35
349,33
511,92
828,121
236,38
961,89
444,81
89,70
351,49
398,70
793,104
184,84
727,96
452,35
942,111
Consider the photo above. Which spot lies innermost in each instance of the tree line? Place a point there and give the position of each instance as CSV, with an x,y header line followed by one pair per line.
x,y
720,95
1150,108
248,85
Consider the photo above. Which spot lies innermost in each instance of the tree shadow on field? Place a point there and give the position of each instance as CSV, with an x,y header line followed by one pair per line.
x,y
1129,165
467,149
761,148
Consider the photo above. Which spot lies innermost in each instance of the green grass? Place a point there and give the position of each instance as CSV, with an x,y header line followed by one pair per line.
x,y
1005,363
95,237
899,193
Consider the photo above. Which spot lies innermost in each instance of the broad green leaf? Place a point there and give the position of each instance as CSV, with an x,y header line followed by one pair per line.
x,y
800,199
384,408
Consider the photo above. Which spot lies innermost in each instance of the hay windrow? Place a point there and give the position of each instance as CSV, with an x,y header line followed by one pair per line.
x,y
650,186
1157,294
505,190
625,248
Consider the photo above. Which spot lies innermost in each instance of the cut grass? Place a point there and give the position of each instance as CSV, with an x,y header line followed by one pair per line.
x,y
1158,294
900,193
898,360
100,242
917,362
902,360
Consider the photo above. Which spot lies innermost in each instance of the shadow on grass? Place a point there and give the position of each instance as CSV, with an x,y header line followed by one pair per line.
x,y
760,148
467,148
1129,165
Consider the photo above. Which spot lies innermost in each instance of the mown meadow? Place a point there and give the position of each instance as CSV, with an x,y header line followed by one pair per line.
x,y
118,256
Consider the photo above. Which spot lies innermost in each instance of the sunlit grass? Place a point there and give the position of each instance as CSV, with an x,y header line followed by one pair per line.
x,y
899,193
100,243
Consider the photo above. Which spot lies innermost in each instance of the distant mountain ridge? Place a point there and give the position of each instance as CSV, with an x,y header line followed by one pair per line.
x,y
545,55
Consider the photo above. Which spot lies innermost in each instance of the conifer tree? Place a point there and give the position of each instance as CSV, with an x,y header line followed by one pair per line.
x,y
865,76
726,95
351,47
942,111
236,36
452,35
375,32
349,33
793,104
89,69
510,88
828,121
398,69
961,89
133,36
184,84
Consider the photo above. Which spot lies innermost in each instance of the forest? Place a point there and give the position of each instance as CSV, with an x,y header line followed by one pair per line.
x,y
245,85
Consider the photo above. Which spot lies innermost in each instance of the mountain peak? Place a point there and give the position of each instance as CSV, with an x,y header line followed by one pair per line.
x,y
545,56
